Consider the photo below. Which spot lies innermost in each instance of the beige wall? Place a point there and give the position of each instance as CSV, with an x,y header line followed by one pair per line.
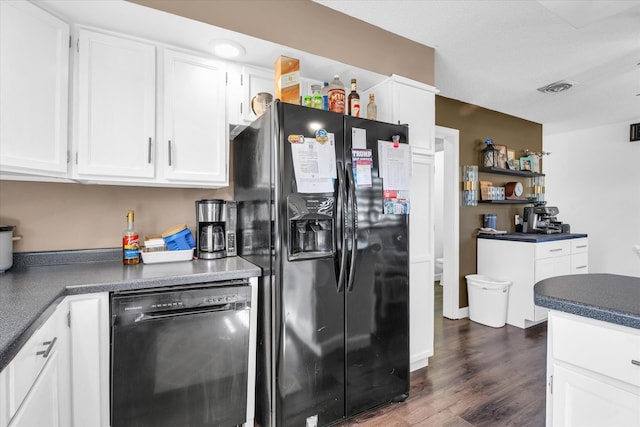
x,y
475,125
54,216
313,28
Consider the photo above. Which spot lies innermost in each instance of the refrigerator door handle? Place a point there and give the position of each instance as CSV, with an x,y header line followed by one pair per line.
x,y
341,225
354,227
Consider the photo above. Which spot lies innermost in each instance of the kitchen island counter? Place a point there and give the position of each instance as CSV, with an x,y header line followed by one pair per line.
x,y
30,291
607,297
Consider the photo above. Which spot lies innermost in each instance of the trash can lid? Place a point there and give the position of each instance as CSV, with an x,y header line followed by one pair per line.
x,y
487,281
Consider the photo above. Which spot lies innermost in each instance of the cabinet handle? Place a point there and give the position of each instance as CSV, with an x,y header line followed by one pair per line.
x,y
169,152
49,345
635,362
581,246
555,250
581,266
149,154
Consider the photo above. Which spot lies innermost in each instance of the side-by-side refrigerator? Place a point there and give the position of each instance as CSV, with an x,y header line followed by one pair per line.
x,y
333,309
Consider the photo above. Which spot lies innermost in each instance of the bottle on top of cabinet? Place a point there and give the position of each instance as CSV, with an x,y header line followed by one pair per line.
x,y
130,243
336,95
316,97
372,108
354,100
325,96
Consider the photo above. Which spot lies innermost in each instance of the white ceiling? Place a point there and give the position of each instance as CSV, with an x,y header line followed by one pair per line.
x,y
495,54
491,53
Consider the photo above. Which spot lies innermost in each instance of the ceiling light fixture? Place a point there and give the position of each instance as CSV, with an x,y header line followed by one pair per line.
x,y
226,49
556,87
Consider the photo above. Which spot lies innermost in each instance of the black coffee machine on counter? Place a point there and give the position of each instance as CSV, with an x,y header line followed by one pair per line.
x,y
542,219
216,233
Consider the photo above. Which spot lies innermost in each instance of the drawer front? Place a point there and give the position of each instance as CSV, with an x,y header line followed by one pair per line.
x,y
579,245
580,263
597,346
553,249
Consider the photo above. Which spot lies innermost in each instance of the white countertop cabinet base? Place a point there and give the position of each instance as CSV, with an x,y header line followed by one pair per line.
x,y
35,385
591,377
525,264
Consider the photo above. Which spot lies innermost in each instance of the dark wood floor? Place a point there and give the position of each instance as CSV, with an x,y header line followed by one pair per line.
x,y
478,376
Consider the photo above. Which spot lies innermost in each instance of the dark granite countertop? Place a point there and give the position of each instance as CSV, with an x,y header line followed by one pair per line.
x,y
607,297
530,237
31,289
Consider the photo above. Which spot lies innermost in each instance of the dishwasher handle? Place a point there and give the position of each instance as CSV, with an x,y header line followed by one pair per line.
x,y
141,317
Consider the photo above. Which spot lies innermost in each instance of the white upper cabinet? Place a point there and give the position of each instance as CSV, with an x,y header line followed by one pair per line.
x,y
401,100
254,81
132,131
195,136
34,80
115,107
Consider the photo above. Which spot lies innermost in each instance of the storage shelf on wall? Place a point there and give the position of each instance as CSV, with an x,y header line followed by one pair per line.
x,y
501,171
504,202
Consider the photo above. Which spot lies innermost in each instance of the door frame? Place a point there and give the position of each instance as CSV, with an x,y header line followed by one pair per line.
x,y
451,228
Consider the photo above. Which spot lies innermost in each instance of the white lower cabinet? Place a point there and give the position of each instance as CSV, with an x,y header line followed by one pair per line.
x,y
89,354
60,377
592,379
36,390
525,264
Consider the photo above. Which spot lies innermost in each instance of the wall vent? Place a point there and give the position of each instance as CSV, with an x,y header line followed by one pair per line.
x,y
635,132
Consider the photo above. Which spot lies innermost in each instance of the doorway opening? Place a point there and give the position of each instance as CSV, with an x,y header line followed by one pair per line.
x,y
446,222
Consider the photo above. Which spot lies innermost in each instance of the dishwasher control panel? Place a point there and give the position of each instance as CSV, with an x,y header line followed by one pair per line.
x,y
176,299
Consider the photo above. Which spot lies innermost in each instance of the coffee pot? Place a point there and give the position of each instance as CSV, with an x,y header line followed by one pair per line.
x,y
216,223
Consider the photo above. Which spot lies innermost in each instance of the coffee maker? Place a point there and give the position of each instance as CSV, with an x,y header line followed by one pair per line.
x,y
216,228
542,219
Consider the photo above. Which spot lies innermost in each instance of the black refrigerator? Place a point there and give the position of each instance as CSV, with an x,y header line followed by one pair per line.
x,y
333,333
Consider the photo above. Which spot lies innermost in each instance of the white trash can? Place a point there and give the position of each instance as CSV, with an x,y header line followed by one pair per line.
x,y
488,300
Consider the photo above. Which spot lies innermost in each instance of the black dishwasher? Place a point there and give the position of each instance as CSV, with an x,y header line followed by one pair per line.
x,y
179,356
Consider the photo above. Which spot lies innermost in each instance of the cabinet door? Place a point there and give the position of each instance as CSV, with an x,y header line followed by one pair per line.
x,y
116,107
551,267
34,80
38,385
254,81
41,407
415,106
195,132
89,322
421,260
582,400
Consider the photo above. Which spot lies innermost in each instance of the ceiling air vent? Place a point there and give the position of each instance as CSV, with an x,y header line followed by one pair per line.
x,y
556,87
635,132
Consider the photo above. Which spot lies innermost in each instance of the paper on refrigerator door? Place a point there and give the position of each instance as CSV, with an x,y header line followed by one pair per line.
x,y
394,162
394,168
312,165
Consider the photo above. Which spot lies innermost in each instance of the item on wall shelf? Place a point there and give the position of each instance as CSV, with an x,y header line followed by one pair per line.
x,y
526,164
514,190
469,185
490,156
502,156
537,182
